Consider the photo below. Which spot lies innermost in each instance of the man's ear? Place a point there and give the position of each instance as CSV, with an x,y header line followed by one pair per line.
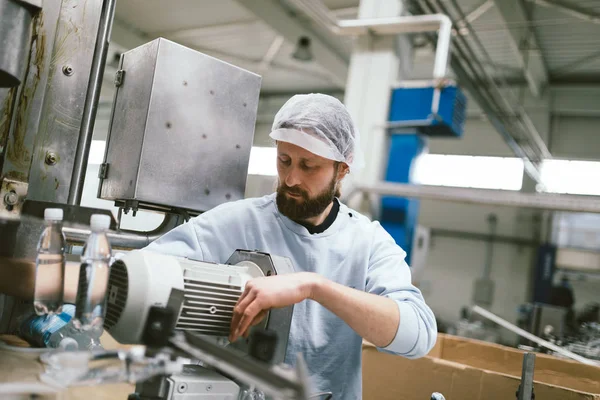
x,y
343,170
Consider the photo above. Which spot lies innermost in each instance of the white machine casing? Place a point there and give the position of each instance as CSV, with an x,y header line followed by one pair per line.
x,y
142,279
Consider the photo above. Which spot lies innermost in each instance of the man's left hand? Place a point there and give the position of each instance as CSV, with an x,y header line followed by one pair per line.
x,y
262,294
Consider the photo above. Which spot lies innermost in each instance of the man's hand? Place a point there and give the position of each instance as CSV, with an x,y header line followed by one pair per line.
x,y
262,294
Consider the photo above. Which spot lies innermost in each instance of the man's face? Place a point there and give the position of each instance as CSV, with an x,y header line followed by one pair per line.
x,y
307,182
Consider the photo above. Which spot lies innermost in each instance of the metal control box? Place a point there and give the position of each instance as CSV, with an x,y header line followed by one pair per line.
x,y
181,129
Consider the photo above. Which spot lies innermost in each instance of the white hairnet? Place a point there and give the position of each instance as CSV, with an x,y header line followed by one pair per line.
x,y
320,124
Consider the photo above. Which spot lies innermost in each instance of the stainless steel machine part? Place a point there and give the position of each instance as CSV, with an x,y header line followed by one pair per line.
x,y
91,102
273,382
181,129
14,35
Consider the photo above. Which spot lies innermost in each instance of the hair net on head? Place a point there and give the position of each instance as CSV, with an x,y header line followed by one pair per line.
x,y
320,124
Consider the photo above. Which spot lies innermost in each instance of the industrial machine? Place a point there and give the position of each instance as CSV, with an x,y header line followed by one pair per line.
x,y
181,130
201,297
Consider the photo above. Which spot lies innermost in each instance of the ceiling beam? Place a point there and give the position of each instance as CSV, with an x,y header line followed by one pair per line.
x,y
571,9
525,45
284,23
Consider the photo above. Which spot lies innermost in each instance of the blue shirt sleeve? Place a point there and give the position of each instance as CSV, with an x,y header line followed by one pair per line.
x,y
181,242
389,275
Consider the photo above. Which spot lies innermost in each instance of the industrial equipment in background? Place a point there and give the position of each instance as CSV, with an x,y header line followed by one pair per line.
x,y
418,110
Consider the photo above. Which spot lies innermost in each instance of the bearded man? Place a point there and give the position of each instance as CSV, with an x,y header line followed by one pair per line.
x,y
352,280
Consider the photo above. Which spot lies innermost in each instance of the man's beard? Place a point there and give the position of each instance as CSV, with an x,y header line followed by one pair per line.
x,y
300,209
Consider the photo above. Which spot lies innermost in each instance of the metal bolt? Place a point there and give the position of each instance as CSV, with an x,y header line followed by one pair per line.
x,y
157,326
228,196
11,198
51,158
67,70
208,388
182,387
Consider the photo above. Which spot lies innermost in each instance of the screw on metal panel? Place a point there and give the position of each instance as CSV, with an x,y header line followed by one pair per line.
x,y
11,198
182,387
206,191
228,196
67,70
51,158
157,326
208,388
168,125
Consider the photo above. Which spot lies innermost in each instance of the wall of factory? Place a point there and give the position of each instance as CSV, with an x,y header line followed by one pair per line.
x,y
453,262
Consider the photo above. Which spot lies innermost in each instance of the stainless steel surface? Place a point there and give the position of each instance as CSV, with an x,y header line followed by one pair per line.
x,y
523,333
526,387
15,24
91,101
275,382
181,130
544,201
64,98
21,121
124,239
195,382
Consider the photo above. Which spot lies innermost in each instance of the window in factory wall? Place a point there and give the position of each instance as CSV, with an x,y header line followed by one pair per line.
x,y
504,173
570,176
263,161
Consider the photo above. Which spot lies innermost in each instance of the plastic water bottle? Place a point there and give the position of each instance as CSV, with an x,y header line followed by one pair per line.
x,y
50,265
93,277
57,331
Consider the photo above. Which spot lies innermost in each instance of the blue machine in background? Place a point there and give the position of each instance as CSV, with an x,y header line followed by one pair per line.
x,y
416,111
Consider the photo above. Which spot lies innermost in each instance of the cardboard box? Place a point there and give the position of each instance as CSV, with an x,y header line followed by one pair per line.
x,y
464,369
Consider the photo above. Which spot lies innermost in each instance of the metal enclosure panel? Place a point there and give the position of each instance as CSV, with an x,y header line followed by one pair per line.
x,y
69,64
14,37
128,122
199,131
22,110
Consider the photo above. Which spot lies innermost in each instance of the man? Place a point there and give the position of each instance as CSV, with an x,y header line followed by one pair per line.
x,y
352,280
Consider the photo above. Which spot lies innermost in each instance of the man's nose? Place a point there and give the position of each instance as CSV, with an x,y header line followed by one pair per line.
x,y
292,178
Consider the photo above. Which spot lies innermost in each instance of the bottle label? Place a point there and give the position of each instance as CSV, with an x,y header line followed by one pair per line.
x,y
40,328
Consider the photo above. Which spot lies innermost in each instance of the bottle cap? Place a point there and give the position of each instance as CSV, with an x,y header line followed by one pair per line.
x,y
68,343
53,214
99,222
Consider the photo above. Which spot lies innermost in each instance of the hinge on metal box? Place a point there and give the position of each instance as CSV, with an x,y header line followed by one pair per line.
x,y
103,171
119,77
